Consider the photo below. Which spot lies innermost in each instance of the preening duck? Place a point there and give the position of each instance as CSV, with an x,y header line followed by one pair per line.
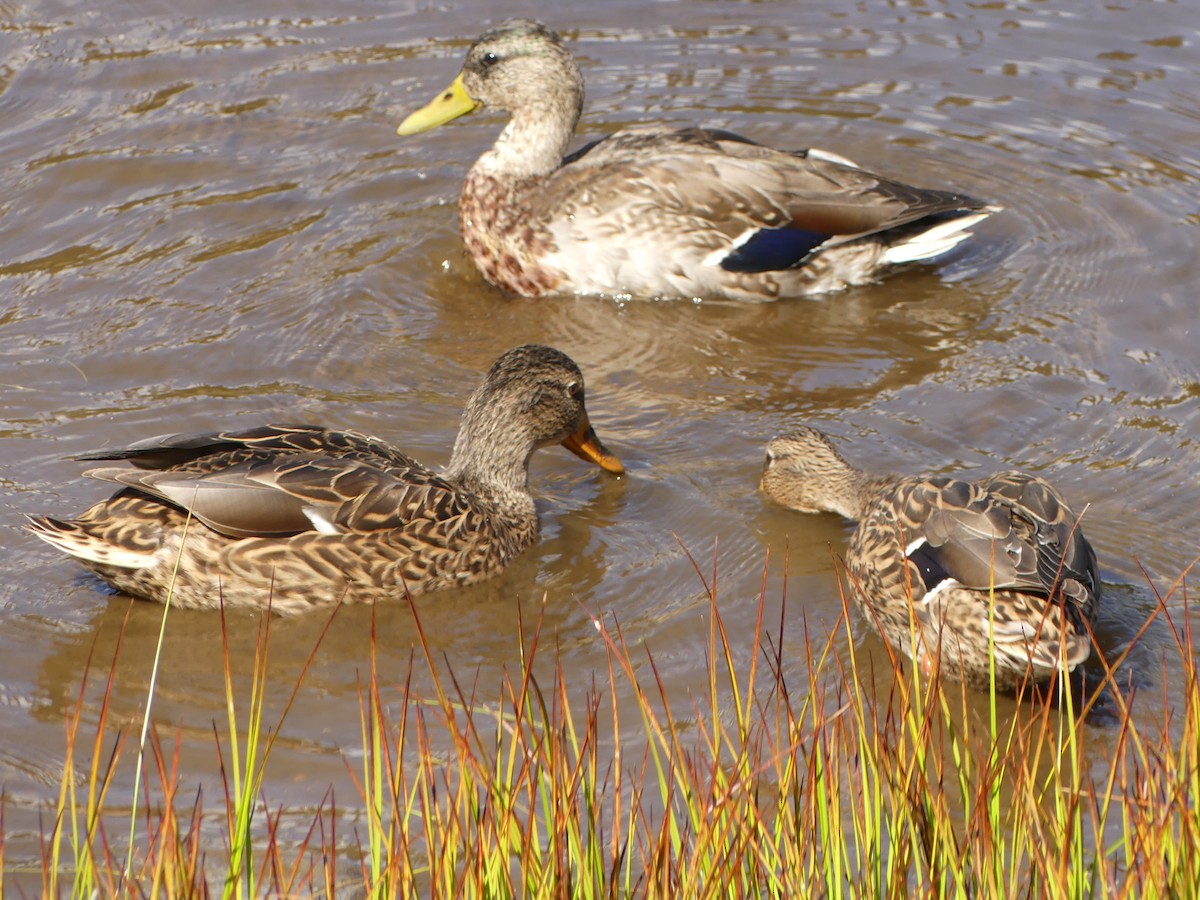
x,y
994,572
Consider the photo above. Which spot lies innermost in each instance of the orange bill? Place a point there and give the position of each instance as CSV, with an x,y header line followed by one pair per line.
x,y
584,444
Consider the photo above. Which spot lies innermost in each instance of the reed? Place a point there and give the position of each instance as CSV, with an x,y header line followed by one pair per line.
x,y
249,749
841,773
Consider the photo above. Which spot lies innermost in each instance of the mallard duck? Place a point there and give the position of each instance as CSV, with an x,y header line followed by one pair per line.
x,y
304,516
989,571
666,212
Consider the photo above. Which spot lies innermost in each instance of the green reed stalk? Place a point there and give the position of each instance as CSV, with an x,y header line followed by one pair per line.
x,y
151,690
90,872
248,761
869,782
240,800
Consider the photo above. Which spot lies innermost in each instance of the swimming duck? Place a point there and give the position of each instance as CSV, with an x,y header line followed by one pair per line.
x,y
303,516
992,572
666,212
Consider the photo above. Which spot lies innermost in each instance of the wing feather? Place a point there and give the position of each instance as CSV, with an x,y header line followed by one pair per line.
x,y
279,481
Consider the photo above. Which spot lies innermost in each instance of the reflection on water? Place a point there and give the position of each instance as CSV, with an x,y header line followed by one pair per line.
x,y
207,221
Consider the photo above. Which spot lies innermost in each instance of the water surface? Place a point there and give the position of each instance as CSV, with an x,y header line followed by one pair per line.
x,y
207,221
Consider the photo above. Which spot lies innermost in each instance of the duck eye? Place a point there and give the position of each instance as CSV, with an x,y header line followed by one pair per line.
x,y
490,59
575,389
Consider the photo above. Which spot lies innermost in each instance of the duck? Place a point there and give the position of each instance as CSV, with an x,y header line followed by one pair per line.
x,y
666,212
990,581
295,517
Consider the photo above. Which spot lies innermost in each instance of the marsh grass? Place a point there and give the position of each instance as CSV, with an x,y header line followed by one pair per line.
x,y
838,773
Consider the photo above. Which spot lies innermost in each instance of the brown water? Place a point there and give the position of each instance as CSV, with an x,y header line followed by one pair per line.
x,y
206,220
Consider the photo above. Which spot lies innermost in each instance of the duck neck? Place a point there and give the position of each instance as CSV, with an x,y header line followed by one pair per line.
x,y
488,464
535,139
851,493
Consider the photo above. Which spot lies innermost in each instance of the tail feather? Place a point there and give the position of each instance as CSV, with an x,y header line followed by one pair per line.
x,y
75,540
941,238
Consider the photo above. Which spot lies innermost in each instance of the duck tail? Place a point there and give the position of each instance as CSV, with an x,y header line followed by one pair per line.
x,y
74,539
943,236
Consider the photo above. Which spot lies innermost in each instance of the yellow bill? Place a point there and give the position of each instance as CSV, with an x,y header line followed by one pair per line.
x,y
446,106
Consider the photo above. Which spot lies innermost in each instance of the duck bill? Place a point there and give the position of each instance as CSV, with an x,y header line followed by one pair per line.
x,y
584,444
445,107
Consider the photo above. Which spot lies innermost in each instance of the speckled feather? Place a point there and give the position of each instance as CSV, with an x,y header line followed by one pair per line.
x,y
954,568
654,211
308,516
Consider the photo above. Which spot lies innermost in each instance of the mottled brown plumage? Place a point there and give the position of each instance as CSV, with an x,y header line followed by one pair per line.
x,y
995,569
666,212
305,516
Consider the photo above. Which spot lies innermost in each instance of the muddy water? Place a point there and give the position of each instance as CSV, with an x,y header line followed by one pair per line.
x,y
206,220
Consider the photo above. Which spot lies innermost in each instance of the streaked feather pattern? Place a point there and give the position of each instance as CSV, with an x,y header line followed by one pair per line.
x,y
954,568
666,212
305,516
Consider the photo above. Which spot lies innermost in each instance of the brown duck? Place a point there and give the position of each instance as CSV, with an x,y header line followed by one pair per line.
x,y
993,573
666,212
303,516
